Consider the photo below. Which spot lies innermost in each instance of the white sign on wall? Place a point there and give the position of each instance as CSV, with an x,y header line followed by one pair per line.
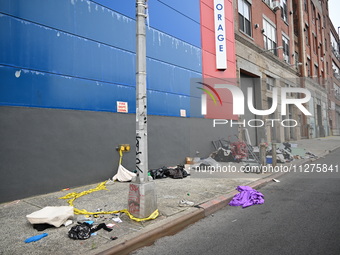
x,y
122,107
220,39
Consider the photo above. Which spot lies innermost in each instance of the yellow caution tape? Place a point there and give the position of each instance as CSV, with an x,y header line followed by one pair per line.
x,y
101,186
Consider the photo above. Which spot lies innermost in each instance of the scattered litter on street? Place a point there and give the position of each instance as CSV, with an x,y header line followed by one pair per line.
x,y
35,238
81,231
247,197
177,172
239,151
53,215
85,230
117,220
123,175
185,203
110,225
275,180
68,223
203,164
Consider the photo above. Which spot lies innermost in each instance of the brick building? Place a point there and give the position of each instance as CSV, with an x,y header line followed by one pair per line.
x,y
333,60
288,43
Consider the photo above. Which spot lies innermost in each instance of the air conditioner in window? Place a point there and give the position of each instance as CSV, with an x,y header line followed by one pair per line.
x,y
275,5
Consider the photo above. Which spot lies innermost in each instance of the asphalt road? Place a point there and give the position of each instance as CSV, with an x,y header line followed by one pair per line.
x,y
301,215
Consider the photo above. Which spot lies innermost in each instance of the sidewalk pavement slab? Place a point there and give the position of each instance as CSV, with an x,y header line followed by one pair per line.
x,y
209,195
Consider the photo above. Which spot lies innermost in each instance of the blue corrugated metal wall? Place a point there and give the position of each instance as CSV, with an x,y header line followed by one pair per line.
x,y
79,54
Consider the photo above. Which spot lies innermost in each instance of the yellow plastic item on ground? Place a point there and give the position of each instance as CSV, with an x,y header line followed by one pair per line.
x,y
101,186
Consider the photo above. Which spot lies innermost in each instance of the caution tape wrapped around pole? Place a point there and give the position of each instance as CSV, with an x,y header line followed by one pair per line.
x,y
102,186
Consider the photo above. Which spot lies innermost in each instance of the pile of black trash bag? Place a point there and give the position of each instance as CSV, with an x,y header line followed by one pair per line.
x,y
83,230
164,172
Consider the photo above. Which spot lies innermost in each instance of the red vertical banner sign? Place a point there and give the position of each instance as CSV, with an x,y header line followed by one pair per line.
x,y
218,55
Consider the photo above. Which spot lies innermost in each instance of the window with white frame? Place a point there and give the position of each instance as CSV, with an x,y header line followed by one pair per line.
x,y
269,36
284,10
244,16
285,44
270,83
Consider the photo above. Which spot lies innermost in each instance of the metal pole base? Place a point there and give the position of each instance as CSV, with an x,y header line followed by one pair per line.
x,y
142,199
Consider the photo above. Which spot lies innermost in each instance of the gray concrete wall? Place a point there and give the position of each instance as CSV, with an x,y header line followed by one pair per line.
x,y
44,150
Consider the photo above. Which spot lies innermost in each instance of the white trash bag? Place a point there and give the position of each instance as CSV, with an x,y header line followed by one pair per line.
x,y
123,175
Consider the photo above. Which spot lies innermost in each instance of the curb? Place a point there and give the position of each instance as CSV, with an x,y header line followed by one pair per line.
x,y
201,211
148,238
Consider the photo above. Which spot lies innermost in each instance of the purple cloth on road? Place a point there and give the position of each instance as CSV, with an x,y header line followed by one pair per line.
x,y
247,197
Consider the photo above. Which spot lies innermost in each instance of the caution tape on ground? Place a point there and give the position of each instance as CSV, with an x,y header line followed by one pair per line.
x,y
101,186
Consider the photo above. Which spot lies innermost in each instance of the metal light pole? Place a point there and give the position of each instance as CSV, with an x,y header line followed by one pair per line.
x,y
142,197
141,106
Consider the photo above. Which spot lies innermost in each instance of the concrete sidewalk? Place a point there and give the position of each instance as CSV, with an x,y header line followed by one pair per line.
x,y
209,194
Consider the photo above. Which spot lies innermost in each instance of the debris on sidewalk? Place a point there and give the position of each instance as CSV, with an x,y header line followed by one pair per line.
x,y
204,163
159,173
53,215
177,172
85,230
117,220
236,151
35,238
68,223
241,152
110,225
101,226
223,155
233,151
123,175
81,231
247,197
185,203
